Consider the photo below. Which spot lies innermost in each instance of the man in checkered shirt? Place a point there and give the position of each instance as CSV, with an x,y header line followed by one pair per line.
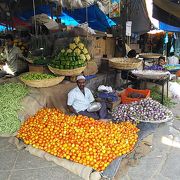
x,y
15,61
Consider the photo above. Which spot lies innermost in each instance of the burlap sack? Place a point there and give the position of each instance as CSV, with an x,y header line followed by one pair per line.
x,y
84,172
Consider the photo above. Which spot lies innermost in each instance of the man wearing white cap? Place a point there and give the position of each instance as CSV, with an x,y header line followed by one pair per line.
x,y
80,98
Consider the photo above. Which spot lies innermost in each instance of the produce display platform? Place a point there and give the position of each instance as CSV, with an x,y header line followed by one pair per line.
x,y
53,97
145,130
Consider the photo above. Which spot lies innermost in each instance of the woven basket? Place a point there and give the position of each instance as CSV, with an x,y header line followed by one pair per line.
x,y
42,83
151,74
156,122
69,72
125,63
150,55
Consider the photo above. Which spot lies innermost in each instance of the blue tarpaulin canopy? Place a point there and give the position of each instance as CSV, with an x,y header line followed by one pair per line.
x,y
169,28
93,15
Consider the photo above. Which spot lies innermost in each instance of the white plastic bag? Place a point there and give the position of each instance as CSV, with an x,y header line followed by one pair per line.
x,y
174,88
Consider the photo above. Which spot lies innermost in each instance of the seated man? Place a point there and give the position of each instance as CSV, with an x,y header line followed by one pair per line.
x,y
158,66
15,62
80,98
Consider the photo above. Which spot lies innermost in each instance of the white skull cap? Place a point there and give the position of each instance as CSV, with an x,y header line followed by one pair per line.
x,y
81,77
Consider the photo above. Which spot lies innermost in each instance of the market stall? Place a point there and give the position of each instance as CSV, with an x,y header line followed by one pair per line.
x,y
45,122
34,104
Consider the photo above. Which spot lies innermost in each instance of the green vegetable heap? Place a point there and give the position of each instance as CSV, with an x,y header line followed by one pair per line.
x,y
10,97
156,95
172,67
40,60
37,76
74,57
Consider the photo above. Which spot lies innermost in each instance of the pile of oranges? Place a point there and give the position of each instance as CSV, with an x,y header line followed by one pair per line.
x,y
79,138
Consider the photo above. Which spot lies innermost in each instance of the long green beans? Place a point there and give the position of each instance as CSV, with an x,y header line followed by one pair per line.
x,y
10,97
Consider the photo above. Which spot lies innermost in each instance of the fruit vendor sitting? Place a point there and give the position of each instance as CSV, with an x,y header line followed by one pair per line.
x,y
80,98
15,61
159,66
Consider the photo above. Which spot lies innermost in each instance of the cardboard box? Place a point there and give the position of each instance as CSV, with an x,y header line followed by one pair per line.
x,y
38,68
98,47
110,47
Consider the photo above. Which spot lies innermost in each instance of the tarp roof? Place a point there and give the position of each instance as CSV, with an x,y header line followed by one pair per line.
x,y
93,15
96,18
167,12
169,6
139,16
169,28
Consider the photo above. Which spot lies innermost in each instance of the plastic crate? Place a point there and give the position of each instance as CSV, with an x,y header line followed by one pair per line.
x,y
127,100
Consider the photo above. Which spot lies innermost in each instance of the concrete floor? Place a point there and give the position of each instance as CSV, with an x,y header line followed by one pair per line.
x,y
160,164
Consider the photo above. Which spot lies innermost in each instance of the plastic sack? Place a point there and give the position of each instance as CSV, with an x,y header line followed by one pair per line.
x,y
174,88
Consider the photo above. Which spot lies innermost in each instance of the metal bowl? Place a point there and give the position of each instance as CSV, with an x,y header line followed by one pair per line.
x,y
95,106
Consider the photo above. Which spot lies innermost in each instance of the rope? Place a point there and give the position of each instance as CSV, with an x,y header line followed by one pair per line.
x,y
34,11
87,21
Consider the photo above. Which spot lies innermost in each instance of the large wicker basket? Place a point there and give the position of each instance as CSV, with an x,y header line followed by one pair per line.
x,y
150,55
125,63
151,74
69,72
43,83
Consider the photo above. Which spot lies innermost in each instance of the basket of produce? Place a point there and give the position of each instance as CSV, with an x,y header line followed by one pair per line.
x,y
130,95
151,74
67,72
125,63
150,55
172,67
71,61
40,80
145,110
21,45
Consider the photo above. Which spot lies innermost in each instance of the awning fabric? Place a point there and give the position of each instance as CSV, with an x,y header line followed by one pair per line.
x,y
169,7
17,22
96,18
93,15
168,28
167,12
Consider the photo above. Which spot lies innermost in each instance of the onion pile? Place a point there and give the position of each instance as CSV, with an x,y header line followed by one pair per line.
x,y
145,110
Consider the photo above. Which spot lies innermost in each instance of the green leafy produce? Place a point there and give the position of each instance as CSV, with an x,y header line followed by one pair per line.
x,y
10,97
37,76
172,67
40,60
156,95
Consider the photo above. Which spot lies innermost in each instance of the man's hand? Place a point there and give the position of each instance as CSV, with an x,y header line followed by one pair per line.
x,y
71,109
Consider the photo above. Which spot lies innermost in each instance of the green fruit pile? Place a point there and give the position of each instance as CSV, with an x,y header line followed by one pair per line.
x,y
74,57
37,76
